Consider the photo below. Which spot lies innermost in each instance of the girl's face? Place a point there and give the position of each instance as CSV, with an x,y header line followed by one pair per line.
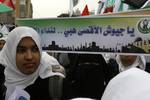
x,y
27,56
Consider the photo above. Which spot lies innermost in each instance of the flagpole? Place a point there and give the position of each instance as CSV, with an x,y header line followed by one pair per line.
x,y
28,2
17,9
71,8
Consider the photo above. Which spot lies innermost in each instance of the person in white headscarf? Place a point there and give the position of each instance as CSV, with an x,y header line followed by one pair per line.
x,y
123,62
132,84
128,61
25,68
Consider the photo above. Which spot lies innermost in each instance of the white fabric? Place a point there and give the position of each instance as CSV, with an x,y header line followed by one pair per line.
x,y
140,61
47,63
147,4
3,38
104,6
81,99
16,94
117,6
4,30
132,84
13,76
108,56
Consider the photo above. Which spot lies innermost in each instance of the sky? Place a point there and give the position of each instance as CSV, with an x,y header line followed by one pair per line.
x,y
53,8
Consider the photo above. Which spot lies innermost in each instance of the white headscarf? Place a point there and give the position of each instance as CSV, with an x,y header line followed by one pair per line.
x,y
4,30
3,38
48,62
132,84
12,75
140,62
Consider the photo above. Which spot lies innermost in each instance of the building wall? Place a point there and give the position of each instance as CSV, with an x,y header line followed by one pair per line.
x,y
9,17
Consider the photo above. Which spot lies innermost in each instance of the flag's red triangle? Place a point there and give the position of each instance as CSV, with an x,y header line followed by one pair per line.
x,y
85,11
109,9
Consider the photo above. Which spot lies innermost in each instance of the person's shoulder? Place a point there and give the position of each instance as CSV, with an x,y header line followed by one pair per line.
x,y
132,84
132,74
132,71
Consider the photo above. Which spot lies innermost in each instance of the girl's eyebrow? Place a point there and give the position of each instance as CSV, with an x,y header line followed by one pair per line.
x,y
20,46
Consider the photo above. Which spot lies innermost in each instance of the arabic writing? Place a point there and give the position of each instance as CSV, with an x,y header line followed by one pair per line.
x,y
105,31
45,30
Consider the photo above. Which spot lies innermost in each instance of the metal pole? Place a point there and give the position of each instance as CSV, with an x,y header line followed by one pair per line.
x,y
28,2
17,9
71,8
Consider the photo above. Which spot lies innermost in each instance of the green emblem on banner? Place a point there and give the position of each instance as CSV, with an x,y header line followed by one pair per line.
x,y
144,26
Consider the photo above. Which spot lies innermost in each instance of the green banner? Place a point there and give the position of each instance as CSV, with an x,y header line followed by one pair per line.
x,y
98,34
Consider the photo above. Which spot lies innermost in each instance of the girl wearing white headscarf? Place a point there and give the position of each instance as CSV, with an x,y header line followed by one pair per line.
x,y
33,83
132,84
13,76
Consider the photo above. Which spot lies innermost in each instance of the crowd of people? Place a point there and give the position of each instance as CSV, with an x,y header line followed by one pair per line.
x,y
29,73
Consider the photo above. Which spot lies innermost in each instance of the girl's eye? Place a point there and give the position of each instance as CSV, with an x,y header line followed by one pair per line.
x,y
21,50
35,49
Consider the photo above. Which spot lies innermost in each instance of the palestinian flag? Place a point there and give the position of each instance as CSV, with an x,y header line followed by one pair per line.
x,y
85,12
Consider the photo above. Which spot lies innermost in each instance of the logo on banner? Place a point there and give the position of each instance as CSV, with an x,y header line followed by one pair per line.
x,y
144,26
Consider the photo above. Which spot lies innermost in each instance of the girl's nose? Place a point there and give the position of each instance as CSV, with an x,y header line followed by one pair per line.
x,y
29,54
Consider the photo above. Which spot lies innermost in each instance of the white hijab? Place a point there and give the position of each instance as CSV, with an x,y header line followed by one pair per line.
x,y
48,62
132,84
140,62
12,75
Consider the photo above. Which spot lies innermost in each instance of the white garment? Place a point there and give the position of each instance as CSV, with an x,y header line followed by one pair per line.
x,y
132,84
140,62
3,38
117,6
48,62
17,94
108,56
4,30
